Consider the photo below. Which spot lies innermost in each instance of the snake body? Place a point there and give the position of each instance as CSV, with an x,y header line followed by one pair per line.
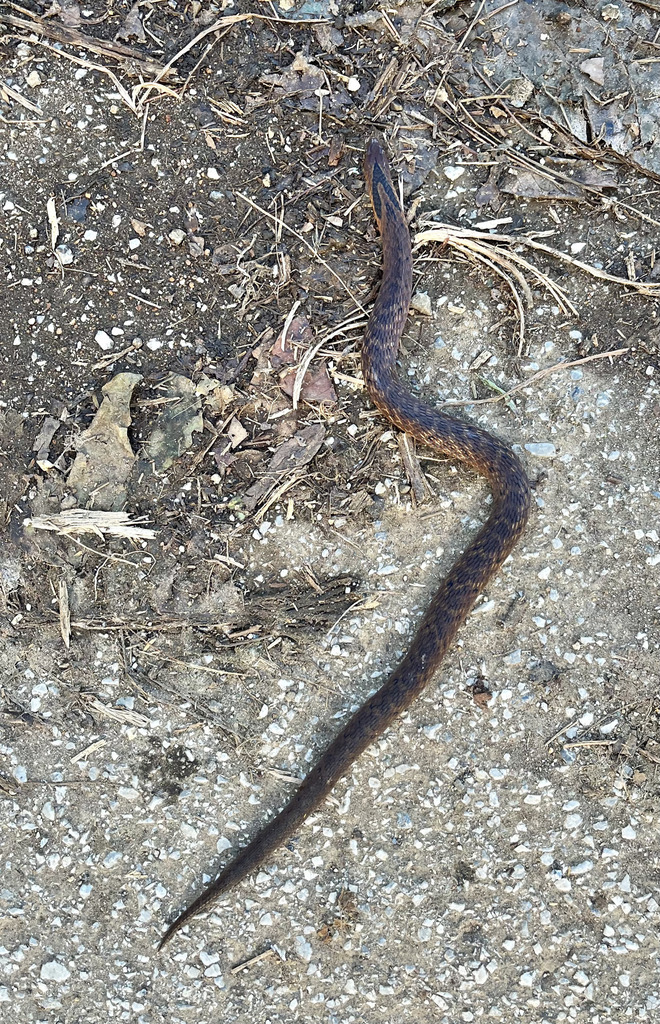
x,y
466,580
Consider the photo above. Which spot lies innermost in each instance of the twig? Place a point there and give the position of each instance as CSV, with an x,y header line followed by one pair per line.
x,y
18,98
253,960
537,376
448,233
587,743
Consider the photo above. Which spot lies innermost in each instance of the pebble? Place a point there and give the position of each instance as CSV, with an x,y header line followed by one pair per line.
x,y
53,970
64,254
453,173
421,302
303,948
583,868
542,449
103,340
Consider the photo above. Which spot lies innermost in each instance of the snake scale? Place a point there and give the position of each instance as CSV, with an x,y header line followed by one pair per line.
x,y
457,593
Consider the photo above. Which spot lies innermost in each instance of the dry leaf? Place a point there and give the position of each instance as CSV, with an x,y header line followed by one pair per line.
x,y
132,26
105,457
316,389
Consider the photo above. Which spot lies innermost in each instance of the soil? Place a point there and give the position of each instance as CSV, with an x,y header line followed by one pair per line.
x,y
495,855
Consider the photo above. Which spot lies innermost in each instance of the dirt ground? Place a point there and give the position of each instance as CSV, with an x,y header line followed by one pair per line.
x,y
496,854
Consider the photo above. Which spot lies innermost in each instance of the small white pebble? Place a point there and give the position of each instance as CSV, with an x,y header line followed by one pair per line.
x,y
421,302
53,970
541,449
583,868
103,340
303,948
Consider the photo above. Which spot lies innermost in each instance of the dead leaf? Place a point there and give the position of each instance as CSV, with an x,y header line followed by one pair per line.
x,y
105,457
316,389
217,397
337,145
236,433
481,695
295,453
178,421
298,335
68,12
132,26
528,183
42,442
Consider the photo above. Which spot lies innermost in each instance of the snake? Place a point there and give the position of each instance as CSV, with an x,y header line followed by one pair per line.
x,y
454,599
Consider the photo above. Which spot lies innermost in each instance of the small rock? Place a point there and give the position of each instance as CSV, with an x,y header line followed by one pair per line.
x,y
303,948
64,255
421,303
542,449
611,12
54,971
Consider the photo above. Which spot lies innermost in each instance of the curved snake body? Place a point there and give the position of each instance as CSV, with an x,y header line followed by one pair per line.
x,y
465,581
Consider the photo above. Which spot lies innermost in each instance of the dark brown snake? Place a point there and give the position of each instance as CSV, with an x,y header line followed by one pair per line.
x,y
468,577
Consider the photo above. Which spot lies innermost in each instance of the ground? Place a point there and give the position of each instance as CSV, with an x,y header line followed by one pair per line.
x,y
495,854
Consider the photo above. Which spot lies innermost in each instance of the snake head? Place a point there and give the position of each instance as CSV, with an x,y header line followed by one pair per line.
x,y
379,182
